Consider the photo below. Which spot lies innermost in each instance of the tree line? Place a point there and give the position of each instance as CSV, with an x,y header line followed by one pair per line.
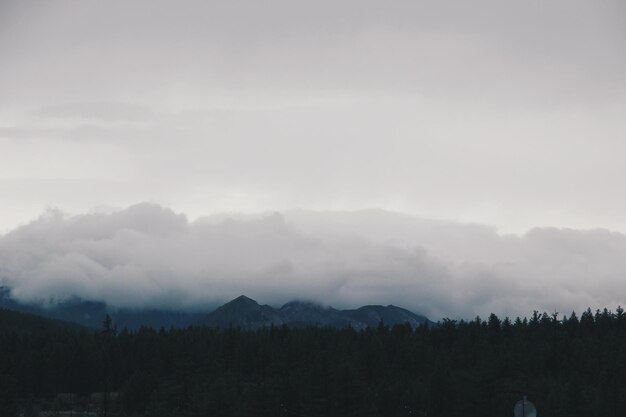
x,y
567,365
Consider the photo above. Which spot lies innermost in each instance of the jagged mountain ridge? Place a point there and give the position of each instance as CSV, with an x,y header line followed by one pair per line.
x,y
245,313
242,312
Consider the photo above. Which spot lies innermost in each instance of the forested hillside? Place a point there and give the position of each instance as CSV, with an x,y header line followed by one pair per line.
x,y
567,366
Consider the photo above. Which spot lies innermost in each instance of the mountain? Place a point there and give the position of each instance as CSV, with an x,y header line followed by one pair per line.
x,y
92,313
245,313
372,315
242,312
300,313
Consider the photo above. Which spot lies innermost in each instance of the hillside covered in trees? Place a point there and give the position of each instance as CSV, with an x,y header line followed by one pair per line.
x,y
568,366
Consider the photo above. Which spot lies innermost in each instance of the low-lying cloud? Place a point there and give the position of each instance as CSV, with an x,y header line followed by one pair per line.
x,y
147,255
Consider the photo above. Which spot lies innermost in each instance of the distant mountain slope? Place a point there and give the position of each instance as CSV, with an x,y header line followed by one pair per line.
x,y
372,315
20,323
92,313
299,313
247,314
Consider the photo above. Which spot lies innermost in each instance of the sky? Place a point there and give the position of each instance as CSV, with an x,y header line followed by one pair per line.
x,y
505,115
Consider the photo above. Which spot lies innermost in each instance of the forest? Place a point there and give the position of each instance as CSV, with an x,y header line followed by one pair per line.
x,y
567,365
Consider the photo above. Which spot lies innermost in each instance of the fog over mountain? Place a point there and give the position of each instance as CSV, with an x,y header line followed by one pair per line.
x,y
150,256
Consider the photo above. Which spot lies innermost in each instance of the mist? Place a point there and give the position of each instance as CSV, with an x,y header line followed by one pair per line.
x,y
150,256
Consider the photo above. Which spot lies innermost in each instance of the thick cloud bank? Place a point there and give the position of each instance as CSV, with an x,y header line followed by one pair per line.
x,y
147,255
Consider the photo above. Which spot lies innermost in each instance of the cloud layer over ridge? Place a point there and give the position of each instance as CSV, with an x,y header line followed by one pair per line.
x,y
147,255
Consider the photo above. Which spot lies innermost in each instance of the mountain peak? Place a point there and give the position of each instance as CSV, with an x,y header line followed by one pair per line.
x,y
242,299
243,312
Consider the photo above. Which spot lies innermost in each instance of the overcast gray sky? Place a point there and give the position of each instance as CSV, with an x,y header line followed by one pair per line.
x,y
501,112
510,114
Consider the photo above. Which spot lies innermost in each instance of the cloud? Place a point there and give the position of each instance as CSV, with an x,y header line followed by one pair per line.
x,y
147,255
503,112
